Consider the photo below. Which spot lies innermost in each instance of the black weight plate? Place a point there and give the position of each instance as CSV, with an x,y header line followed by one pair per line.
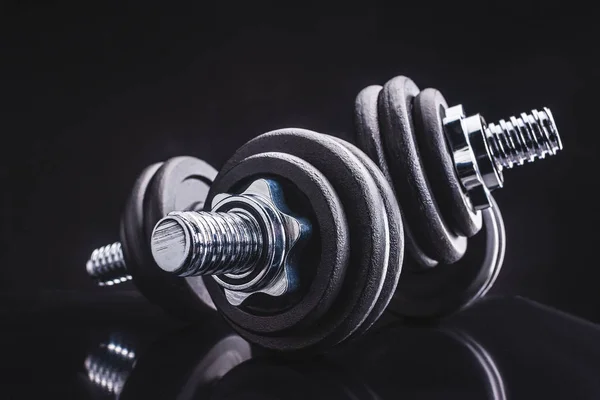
x,y
412,187
132,222
329,231
368,138
428,113
368,250
181,183
443,290
396,238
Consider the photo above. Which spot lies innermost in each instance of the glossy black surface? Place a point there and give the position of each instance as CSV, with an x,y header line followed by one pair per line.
x,y
56,346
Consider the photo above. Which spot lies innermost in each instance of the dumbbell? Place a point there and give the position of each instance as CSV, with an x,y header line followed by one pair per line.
x,y
303,233
180,183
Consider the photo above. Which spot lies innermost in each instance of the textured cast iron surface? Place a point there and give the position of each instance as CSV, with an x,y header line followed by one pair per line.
x,y
368,139
362,204
412,187
429,109
396,239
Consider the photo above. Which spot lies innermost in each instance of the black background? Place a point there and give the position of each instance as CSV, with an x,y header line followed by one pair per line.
x,y
89,97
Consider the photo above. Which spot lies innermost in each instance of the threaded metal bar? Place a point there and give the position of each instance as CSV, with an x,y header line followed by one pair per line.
x,y
523,138
107,265
207,243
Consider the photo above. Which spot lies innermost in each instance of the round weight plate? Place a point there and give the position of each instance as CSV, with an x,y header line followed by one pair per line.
x,y
396,238
446,289
368,138
369,250
428,113
325,258
132,222
181,183
411,184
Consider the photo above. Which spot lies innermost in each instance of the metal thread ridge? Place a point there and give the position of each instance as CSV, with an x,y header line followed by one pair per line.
x,y
107,265
523,138
110,365
222,242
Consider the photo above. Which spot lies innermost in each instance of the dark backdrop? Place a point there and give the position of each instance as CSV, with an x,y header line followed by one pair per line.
x,y
91,96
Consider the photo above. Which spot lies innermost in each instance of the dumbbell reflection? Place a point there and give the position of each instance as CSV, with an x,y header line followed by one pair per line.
x,y
405,363
110,364
429,362
500,345
399,360
181,365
